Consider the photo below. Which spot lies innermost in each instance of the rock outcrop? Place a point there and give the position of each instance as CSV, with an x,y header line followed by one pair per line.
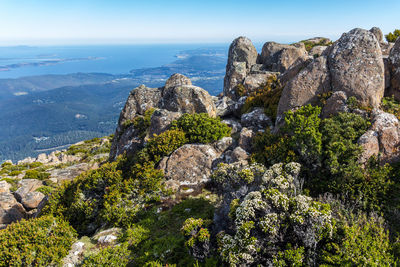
x,y
394,68
279,57
242,55
178,96
353,65
356,67
10,209
378,34
189,167
305,87
188,99
382,139
139,101
335,104
25,192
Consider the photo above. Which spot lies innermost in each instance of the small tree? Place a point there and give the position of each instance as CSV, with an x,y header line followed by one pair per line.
x,y
392,36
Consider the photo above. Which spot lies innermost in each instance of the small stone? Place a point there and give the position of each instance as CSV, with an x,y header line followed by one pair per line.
x,y
4,187
107,239
246,139
256,119
32,200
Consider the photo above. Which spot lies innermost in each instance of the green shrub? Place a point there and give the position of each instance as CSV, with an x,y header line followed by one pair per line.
x,y
107,195
14,173
90,147
201,128
112,256
329,152
298,140
270,149
358,241
193,229
290,257
5,164
309,45
392,36
302,127
273,222
142,123
35,165
46,190
390,105
80,201
116,191
267,97
35,242
157,236
162,145
35,174
339,135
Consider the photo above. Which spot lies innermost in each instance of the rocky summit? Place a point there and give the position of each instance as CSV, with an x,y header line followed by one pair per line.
x,y
295,163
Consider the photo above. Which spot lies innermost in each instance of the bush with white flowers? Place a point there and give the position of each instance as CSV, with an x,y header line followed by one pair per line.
x,y
273,224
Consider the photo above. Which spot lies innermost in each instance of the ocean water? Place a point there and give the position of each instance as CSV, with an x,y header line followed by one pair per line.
x,y
22,61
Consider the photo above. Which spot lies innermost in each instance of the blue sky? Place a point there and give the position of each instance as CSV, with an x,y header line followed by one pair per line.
x,y
176,21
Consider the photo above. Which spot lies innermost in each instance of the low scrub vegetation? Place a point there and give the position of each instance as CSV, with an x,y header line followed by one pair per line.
x,y
266,96
201,128
36,242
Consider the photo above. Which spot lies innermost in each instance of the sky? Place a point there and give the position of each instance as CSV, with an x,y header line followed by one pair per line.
x,y
50,22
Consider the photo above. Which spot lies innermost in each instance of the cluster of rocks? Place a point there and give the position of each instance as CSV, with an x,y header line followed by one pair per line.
x,y
353,66
23,203
54,158
190,165
360,64
178,96
19,197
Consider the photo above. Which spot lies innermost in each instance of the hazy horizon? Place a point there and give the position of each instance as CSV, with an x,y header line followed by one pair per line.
x,y
101,22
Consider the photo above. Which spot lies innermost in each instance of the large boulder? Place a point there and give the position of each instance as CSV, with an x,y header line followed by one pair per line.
x,y
386,48
304,88
10,209
242,55
32,200
279,57
256,80
356,67
161,121
26,186
394,63
188,99
334,104
378,33
178,96
139,100
293,70
176,80
317,50
189,166
323,41
126,140
225,106
126,137
246,139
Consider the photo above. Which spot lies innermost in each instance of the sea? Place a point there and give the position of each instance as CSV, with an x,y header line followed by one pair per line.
x,y
20,61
